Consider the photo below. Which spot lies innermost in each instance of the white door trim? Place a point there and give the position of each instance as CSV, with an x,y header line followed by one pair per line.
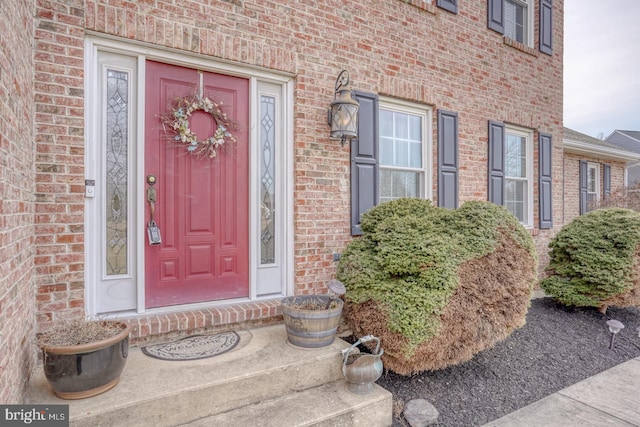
x,y
259,79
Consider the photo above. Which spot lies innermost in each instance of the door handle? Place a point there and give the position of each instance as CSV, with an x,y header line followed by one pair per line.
x,y
151,194
153,231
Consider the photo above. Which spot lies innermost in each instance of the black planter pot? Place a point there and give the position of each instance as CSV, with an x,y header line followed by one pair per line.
x,y
80,371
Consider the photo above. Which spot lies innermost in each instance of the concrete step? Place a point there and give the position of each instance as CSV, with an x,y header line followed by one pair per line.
x,y
327,405
261,368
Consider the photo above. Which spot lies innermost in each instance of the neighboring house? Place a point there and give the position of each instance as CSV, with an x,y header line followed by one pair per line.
x,y
628,140
459,100
592,169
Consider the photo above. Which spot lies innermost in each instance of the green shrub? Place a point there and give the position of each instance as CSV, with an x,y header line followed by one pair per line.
x,y
425,279
592,260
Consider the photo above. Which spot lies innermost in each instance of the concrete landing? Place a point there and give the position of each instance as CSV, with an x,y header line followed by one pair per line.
x,y
332,405
262,368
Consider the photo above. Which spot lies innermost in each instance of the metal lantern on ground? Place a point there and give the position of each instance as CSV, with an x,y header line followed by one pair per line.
x,y
615,326
343,114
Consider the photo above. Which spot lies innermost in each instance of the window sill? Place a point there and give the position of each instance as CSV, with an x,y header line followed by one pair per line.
x,y
517,45
422,4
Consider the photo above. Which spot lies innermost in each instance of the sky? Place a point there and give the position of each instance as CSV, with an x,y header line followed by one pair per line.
x,y
601,66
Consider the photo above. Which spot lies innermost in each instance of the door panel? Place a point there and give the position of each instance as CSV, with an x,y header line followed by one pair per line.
x,y
202,204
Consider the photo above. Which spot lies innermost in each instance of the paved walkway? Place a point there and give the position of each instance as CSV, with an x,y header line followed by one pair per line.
x,y
611,398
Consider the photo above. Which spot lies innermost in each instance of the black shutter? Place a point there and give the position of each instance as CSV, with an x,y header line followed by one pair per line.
x,y
495,15
496,162
546,27
448,5
583,176
607,180
364,160
545,180
447,159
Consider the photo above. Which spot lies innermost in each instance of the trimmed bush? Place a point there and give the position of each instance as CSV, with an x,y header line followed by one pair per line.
x,y
595,260
436,285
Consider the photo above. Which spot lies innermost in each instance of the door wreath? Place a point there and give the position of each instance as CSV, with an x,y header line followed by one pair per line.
x,y
176,126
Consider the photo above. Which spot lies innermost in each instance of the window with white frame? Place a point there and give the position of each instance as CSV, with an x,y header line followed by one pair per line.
x,y
404,148
518,19
519,174
593,185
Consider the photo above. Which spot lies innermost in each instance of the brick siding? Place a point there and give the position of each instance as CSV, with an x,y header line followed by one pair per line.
x,y
17,184
406,49
413,52
402,49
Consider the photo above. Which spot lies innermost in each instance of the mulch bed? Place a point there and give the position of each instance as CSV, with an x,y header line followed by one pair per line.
x,y
559,346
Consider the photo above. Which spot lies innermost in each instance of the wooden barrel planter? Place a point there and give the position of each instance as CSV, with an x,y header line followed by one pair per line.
x,y
79,371
308,321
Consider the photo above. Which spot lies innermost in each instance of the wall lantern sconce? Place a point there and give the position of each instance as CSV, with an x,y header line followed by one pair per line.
x,y
343,114
615,326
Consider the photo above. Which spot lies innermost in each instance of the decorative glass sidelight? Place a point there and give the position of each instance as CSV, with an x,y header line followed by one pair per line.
x,y
267,180
117,129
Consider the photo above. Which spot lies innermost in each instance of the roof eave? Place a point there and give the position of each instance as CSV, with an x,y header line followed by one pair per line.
x,y
607,153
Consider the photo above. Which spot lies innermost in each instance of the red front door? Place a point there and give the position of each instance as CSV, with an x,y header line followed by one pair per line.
x,y
201,205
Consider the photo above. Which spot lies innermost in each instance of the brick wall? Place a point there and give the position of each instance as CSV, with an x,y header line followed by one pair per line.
x,y
617,175
404,49
59,103
571,185
17,302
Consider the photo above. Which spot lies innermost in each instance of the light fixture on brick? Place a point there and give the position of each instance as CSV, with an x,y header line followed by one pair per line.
x,y
343,114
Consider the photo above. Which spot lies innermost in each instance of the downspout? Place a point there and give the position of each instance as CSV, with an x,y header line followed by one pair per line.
x,y
564,161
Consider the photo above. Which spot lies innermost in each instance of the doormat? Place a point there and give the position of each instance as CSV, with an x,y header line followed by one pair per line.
x,y
194,347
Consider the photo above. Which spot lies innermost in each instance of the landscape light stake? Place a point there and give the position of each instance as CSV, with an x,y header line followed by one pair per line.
x,y
336,288
615,326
